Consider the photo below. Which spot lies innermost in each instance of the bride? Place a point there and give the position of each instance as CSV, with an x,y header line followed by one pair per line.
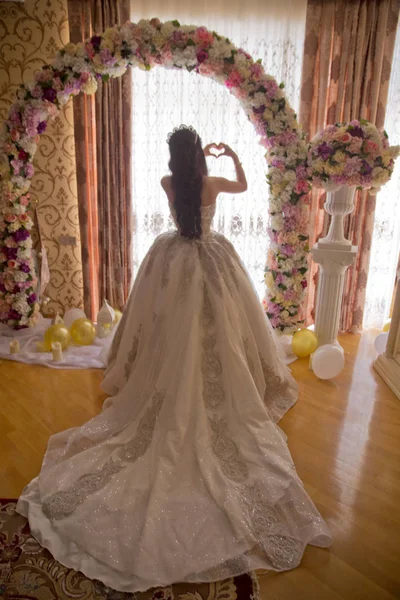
x,y
184,476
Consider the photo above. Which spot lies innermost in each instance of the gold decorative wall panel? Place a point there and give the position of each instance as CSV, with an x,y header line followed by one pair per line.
x,y
30,34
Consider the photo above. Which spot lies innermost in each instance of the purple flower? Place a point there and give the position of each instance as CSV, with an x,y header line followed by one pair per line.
x,y
95,41
11,253
14,315
273,308
202,55
356,131
287,249
325,151
32,299
21,235
41,128
29,170
25,268
366,169
49,94
3,288
260,110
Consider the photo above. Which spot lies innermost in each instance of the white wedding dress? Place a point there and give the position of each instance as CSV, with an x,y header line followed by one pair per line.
x,y
185,475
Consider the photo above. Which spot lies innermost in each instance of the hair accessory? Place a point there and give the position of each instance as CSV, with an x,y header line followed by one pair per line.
x,y
181,128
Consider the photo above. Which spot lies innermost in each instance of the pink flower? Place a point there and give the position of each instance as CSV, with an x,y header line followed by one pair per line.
x,y
370,146
90,50
15,135
302,187
10,218
12,264
29,170
107,57
37,91
17,166
279,164
256,70
10,243
289,295
234,79
203,37
202,55
271,89
155,23
346,138
24,218
24,200
84,77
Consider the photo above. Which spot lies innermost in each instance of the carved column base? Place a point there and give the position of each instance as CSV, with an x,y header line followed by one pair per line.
x,y
333,264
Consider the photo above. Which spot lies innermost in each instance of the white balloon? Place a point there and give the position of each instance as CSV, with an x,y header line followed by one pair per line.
x,y
381,342
328,361
72,315
285,342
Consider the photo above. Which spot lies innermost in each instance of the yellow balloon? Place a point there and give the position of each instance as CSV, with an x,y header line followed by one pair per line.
x,y
57,333
304,343
386,326
118,315
83,332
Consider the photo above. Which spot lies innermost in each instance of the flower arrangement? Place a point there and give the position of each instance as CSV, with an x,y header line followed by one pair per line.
x,y
352,154
77,68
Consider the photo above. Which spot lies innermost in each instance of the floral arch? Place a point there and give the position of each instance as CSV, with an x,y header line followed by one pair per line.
x,y
76,68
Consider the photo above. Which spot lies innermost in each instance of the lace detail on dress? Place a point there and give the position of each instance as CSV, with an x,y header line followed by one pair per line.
x,y
227,451
211,269
138,446
132,354
166,260
223,446
62,504
207,216
186,276
278,392
283,550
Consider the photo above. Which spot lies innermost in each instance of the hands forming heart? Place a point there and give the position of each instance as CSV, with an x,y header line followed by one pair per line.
x,y
217,150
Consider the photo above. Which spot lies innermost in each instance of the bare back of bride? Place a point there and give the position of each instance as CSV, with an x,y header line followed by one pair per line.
x,y
185,474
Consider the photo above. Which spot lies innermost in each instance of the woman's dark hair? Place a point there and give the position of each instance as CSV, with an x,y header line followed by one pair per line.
x,y
188,166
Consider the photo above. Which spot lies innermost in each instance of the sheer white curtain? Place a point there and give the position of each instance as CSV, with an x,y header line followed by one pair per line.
x,y
163,99
386,238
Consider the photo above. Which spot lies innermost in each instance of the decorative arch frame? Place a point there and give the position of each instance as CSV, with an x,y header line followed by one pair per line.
x,y
146,44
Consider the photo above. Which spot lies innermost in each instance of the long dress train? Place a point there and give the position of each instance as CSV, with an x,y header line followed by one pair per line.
x,y
184,476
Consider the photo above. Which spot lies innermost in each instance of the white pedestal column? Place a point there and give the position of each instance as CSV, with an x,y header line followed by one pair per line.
x,y
334,254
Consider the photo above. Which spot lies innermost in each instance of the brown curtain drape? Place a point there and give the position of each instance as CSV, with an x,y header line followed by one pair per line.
x,y
103,158
347,60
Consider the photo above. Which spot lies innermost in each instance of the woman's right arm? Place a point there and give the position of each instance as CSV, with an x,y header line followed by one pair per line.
x,y
232,187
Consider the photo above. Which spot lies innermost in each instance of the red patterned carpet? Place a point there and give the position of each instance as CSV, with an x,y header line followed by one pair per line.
x,y
29,572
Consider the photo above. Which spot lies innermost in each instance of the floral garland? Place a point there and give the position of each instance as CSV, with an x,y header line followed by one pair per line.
x,y
146,44
352,154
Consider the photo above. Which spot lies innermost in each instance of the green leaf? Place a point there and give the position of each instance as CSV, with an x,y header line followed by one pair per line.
x,y
190,42
176,23
281,85
230,60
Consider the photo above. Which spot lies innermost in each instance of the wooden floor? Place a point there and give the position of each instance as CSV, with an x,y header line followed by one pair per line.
x,y
344,437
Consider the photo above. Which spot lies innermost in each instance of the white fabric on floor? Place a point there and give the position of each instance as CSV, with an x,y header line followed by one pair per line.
x,y
75,357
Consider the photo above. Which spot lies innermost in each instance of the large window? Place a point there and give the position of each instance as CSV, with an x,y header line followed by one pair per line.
x,y
164,99
386,238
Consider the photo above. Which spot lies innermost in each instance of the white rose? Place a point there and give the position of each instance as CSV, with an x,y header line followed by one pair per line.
x,y
220,49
